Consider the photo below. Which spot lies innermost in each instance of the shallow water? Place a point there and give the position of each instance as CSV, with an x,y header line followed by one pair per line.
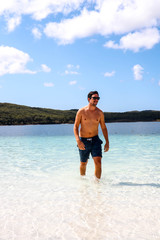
x,y
42,196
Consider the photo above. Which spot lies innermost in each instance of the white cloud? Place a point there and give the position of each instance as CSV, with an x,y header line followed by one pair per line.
x,y
72,69
110,17
159,83
109,74
36,33
13,22
146,38
90,17
138,72
13,61
70,66
38,9
49,84
73,66
45,68
71,72
67,31
72,82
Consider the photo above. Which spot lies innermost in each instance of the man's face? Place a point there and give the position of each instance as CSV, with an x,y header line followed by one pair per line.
x,y
94,99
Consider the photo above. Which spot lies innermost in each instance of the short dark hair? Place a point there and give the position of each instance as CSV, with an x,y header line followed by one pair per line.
x,y
92,93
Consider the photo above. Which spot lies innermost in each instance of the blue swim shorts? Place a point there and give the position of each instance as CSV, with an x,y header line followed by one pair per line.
x,y
92,146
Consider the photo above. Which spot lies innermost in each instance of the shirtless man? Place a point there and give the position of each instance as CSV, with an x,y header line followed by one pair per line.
x,y
89,117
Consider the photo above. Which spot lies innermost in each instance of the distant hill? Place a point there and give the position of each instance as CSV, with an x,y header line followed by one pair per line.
x,y
13,114
133,116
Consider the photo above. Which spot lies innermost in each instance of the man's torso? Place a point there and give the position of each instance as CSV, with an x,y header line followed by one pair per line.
x,y
89,122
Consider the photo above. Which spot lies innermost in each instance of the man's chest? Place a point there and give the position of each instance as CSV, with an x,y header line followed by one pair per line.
x,y
91,117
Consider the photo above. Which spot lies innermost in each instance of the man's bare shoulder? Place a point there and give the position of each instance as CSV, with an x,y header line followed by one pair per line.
x,y
100,111
82,110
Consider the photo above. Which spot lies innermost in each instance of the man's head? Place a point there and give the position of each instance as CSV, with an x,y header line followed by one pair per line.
x,y
92,93
93,97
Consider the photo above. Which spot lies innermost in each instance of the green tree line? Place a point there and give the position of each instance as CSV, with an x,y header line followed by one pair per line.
x,y
13,114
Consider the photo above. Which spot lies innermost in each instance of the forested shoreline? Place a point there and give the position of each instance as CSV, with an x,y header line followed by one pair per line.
x,y
13,114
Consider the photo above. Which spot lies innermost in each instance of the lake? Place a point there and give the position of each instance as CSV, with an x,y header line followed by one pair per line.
x,y
42,196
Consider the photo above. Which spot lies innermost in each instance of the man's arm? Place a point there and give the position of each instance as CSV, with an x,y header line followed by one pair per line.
x,y
105,132
76,130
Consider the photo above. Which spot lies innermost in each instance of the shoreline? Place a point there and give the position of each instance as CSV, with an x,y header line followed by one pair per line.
x,y
41,124
13,115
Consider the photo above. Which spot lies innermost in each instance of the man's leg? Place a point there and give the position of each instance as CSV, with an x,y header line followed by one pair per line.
x,y
83,168
97,163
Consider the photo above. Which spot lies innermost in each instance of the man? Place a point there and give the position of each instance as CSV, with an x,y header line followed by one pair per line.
x,y
89,117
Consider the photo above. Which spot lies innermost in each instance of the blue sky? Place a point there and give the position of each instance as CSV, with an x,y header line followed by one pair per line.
x,y
52,53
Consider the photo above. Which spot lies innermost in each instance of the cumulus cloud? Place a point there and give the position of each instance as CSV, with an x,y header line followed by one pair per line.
x,y
13,61
135,20
72,66
36,33
38,9
72,82
109,74
71,72
49,84
138,72
146,38
45,68
72,69
67,31
109,17
41,9
13,22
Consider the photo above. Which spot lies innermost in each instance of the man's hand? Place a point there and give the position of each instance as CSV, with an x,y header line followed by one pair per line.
x,y
81,145
106,147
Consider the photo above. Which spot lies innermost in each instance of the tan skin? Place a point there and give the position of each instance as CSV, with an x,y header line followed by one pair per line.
x,y
89,117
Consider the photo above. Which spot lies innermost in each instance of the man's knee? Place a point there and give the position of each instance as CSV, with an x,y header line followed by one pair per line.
x,y
83,168
97,161
83,164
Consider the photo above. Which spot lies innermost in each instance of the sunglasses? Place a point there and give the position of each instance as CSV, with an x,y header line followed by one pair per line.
x,y
95,98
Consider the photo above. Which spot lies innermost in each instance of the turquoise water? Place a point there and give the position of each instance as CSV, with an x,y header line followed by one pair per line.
x,y
42,196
